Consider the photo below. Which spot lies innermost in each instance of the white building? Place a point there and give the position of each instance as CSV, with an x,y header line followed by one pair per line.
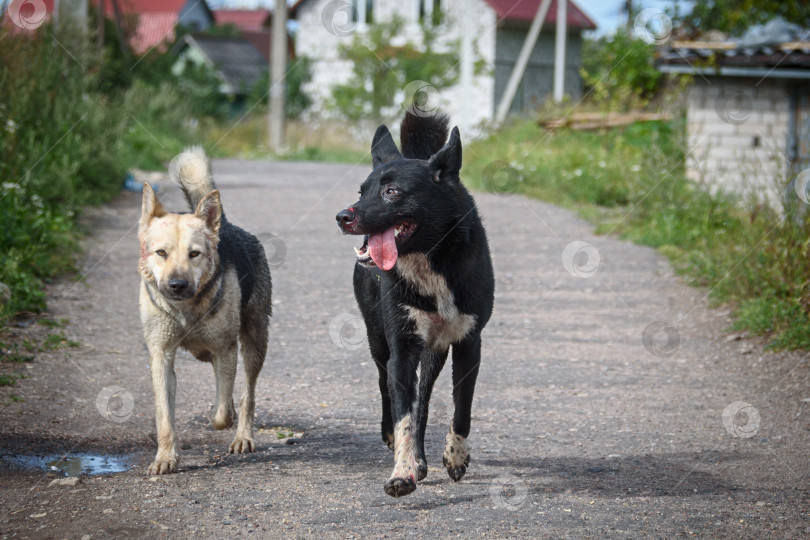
x,y
496,28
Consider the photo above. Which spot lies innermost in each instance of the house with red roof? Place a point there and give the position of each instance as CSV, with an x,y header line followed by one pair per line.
x,y
151,24
498,27
254,25
246,20
147,24
25,16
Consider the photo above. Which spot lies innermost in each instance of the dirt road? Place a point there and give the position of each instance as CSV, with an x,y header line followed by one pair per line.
x,y
611,402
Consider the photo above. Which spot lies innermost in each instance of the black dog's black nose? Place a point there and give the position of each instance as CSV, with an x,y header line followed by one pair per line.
x,y
344,217
178,285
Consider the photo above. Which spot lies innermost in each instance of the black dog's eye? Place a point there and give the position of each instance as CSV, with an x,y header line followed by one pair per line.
x,y
391,190
161,252
193,254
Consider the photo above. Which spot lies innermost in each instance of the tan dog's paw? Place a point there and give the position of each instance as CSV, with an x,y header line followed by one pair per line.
x,y
222,417
242,445
163,465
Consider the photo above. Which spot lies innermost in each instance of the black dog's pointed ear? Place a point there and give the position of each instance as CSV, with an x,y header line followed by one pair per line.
x,y
446,163
383,148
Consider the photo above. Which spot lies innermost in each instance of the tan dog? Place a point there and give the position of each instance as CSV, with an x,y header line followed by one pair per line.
x,y
205,287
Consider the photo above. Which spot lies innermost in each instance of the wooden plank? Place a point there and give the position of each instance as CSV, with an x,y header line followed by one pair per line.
x,y
719,45
590,120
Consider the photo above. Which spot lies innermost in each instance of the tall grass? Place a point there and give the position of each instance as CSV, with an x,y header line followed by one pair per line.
x,y
631,181
64,144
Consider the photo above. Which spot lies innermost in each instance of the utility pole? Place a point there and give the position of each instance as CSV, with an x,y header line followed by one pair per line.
x,y
71,12
122,40
278,68
628,8
101,21
559,50
466,78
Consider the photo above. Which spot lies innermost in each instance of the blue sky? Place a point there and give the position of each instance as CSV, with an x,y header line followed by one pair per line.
x,y
607,14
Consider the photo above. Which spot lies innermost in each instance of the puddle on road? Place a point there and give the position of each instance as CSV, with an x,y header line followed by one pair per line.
x,y
73,465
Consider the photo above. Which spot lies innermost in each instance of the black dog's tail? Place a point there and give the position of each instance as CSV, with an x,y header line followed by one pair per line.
x,y
422,136
191,171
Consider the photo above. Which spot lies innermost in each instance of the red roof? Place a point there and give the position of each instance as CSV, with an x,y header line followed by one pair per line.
x,y
154,30
247,20
156,20
145,6
525,10
28,15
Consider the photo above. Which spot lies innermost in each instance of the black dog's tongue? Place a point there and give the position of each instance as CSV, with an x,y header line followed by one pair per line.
x,y
383,249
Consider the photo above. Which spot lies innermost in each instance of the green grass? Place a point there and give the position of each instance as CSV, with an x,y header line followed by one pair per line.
x,y
7,380
631,182
12,355
61,151
12,352
56,341
53,323
247,138
314,153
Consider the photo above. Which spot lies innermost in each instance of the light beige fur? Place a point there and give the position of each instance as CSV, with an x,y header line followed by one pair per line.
x,y
405,459
456,450
207,323
447,325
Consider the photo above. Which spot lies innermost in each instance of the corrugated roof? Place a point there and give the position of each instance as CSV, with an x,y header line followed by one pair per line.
x,y
700,56
236,59
774,49
247,20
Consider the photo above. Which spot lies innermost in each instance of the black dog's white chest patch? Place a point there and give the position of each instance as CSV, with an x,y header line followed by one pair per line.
x,y
446,325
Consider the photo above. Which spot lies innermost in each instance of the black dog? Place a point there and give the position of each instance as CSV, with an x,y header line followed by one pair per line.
x,y
424,281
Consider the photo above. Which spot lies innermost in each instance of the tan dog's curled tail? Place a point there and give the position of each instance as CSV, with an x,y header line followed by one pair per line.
x,y
191,171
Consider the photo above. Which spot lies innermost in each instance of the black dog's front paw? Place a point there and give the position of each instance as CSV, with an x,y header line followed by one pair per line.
x,y
388,439
421,470
399,487
456,471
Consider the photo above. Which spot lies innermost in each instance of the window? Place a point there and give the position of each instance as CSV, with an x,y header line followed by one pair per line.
x,y
363,11
430,10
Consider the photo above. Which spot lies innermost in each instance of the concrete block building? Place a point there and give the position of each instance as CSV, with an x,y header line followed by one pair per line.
x,y
747,113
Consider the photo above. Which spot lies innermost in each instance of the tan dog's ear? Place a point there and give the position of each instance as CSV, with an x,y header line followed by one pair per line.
x,y
150,206
210,211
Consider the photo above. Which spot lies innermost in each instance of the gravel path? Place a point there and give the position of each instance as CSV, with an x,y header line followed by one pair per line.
x,y
579,429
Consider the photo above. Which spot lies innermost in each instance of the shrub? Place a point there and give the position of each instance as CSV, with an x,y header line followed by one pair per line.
x,y
619,70
299,73
381,70
631,181
67,138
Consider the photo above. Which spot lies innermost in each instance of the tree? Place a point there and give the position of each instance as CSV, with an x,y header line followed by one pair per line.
x,y
735,16
381,70
619,70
